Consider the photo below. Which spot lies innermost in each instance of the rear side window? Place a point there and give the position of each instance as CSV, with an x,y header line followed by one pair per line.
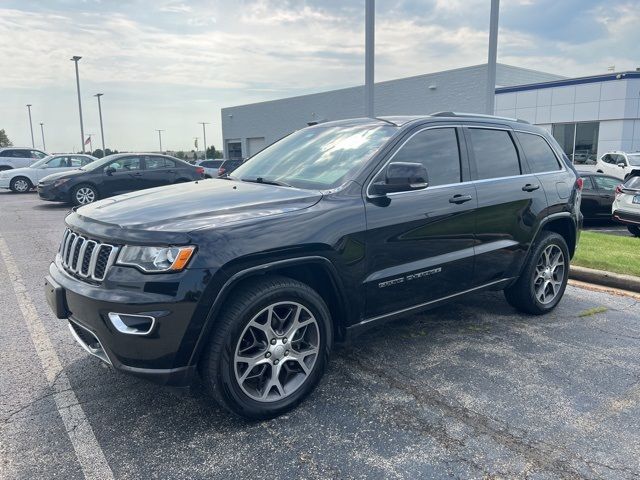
x,y
538,153
587,183
633,182
436,149
606,183
495,153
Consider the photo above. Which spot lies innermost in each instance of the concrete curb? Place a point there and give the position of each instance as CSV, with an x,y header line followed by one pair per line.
x,y
607,279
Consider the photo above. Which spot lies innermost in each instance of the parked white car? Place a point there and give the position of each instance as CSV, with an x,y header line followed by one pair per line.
x,y
210,166
619,164
18,157
22,180
626,206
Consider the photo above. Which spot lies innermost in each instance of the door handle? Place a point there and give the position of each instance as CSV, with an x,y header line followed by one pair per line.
x,y
137,174
458,199
530,187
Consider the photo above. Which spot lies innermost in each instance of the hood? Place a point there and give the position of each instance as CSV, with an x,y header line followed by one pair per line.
x,y
186,207
67,174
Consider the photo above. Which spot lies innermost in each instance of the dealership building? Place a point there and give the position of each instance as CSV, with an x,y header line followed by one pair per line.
x,y
588,116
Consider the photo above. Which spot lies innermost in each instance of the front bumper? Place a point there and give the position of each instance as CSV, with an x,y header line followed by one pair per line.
x,y
5,182
51,193
165,354
628,218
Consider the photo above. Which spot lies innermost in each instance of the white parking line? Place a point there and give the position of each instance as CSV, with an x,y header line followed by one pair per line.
x,y
90,456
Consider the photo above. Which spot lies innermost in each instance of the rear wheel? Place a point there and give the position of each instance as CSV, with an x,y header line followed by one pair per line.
x,y
544,278
20,184
269,348
84,195
634,230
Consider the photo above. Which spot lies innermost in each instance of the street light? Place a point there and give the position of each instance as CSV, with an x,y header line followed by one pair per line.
x,y
98,95
369,36
33,143
44,146
160,138
204,137
493,53
76,59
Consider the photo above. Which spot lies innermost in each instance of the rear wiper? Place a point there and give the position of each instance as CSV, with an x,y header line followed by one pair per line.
x,y
266,181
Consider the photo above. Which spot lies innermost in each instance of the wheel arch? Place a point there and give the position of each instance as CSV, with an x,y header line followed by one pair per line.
x,y
565,226
317,272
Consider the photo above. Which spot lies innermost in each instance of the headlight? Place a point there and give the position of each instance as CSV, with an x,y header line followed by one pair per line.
x,y
60,181
156,259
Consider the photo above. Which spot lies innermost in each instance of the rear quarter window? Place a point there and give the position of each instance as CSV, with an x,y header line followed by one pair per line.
x,y
538,153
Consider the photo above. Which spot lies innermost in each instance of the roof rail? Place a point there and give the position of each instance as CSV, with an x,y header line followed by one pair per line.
x,y
475,115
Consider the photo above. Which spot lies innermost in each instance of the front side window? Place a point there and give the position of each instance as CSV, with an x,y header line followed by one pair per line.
x,y
58,162
318,157
538,152
495,153
436,149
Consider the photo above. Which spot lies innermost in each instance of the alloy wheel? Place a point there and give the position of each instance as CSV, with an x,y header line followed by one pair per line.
x,y
549,274
277,351
85,195
21,185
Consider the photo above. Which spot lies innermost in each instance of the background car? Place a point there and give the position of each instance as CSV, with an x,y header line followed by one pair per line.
x,y
598,194
18,157
229,166
210,167
116,174
22,180
619,164
626,206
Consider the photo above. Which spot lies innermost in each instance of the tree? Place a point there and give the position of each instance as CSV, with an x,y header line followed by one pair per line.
x,y
98,153
213,153
4,140
180,155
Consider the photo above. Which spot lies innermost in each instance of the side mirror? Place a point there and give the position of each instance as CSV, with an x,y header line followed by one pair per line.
x,y
402,177
622,164
109,170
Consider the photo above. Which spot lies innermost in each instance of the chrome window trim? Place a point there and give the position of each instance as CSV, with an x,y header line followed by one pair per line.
x,y
468,182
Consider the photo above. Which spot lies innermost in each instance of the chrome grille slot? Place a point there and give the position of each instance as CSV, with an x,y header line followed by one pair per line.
x,y
85,258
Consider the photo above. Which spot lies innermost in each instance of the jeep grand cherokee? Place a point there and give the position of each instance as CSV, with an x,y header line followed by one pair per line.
x,y
337,227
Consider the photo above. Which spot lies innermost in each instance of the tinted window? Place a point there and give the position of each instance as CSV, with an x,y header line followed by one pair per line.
x,y
588,184
633,182
7,153
607,158
436,149
538,153
126,164
606,183
211,164
20,154
495,153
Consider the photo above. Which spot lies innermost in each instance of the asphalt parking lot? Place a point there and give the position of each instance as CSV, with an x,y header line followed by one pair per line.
x,y
470,390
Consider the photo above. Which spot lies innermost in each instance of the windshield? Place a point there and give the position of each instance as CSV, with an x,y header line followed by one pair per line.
x,y
634,159
319,157
99,163
41,162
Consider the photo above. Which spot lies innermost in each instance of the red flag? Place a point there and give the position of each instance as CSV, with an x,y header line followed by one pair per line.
x,y
87,141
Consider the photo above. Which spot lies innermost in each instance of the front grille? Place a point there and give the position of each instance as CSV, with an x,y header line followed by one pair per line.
x,y
86,258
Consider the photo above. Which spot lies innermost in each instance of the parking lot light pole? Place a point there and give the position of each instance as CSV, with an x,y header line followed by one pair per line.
x,y
369,41
204,138
33,143
493,54
44,145
98,95
76,59
160,138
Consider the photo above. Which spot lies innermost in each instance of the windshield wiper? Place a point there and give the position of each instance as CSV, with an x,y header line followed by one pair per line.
x,y
266,181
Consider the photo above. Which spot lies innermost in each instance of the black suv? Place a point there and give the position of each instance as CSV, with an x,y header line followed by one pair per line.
x,y
338,227
116,174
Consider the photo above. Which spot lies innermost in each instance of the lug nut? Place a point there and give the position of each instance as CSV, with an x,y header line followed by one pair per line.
x,y
273,341
286,353
275,362
284,340
268,354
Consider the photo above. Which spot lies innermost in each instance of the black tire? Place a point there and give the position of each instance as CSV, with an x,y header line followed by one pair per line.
x,y
521,295
17,185
217,365
634,230
75,200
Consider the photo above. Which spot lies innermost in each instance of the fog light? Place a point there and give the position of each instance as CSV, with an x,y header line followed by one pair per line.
x,y
132,324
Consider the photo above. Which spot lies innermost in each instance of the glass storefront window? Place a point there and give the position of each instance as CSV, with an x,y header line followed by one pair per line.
x,y
578,140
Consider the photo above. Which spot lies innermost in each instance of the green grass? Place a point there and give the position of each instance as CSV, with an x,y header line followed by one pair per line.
x,y
609,252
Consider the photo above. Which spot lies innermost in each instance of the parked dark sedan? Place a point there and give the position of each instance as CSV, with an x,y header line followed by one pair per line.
x,y
116,174
598,194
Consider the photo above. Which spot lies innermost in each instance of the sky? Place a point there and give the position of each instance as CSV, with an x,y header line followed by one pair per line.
x,y
169,64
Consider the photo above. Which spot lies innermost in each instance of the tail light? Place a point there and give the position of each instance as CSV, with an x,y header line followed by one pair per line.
x,y
619,190
200,170
221,171
579,183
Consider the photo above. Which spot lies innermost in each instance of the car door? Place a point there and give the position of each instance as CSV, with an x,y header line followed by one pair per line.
x,y
122,175
510,201
420,243
158,171
606,190
590,204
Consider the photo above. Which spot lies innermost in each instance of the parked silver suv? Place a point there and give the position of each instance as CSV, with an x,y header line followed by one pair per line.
x,y
19,157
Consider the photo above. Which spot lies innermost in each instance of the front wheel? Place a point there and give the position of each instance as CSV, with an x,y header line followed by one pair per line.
x,y
20,185
269,348
544,278
634,230
84,195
